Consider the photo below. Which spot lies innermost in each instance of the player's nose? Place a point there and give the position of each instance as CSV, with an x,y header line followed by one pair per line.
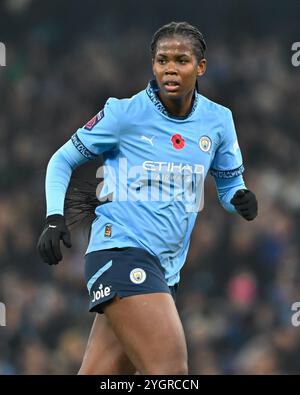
x,y
171,68
171,71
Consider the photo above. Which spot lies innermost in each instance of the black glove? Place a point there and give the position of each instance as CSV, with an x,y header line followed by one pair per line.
x,y
49,242
245,204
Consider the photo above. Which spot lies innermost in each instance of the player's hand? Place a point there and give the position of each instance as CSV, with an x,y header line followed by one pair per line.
x,y
245,204
49,242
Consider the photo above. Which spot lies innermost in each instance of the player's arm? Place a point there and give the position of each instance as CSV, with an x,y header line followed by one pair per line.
x,y
58,174
235,197
227,169
99,135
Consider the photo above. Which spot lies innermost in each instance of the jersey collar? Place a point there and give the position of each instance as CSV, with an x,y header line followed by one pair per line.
x,y
152,90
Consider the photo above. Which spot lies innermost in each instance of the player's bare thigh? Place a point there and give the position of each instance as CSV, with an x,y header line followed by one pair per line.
x,y
150,331
104,354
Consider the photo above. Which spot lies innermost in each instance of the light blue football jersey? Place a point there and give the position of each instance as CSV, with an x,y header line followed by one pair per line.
x,y
154,169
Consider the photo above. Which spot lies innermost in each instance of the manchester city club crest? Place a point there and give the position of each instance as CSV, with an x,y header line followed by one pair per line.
x,y
137,276
205,143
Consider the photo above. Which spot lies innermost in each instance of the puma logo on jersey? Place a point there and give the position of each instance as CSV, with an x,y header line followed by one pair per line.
x,y
150,141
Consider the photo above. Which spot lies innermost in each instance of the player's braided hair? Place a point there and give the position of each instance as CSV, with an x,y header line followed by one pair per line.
x,y
81,202
183,29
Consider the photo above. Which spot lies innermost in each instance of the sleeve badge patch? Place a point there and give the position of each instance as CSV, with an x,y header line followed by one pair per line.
x,y
92,122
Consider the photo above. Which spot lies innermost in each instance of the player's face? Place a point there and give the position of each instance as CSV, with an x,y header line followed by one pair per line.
x,y
176,68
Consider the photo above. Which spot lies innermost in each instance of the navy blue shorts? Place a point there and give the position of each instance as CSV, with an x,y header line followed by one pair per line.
x,y
123,272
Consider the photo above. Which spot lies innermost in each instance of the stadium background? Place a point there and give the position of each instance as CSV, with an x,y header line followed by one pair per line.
x,y
63,60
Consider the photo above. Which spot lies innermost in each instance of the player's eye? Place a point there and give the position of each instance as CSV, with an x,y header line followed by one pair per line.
x,y
162,61
183,61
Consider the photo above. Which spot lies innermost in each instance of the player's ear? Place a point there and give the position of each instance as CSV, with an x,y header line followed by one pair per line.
x,y
153,66
201,67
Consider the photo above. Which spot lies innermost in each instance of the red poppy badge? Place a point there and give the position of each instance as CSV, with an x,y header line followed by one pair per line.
x,y
177,141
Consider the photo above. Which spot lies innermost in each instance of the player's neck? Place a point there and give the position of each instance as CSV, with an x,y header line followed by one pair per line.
x,y
178,107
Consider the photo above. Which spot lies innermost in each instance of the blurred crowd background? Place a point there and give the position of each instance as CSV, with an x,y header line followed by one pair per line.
x,y
64,59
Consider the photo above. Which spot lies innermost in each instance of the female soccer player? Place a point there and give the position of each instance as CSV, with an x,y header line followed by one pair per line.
x,y
157,148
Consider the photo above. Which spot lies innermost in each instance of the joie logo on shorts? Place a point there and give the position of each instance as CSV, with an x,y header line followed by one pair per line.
x,y
137,276
101,293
